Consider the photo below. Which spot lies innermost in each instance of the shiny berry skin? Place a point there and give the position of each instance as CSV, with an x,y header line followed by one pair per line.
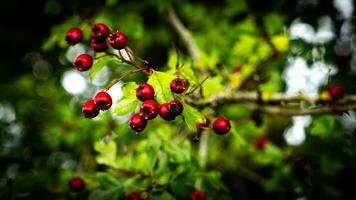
x,y
145,92
165,113
175,107
83,62
261,142
98,45
206,124
132,196
100,31
198,195
177,85
137,123
90,109
103,100
76,184
149,109
118,40
221,126
74,35
336,92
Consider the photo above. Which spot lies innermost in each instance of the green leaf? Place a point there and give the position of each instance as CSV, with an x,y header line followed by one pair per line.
x,y
192,116
101,63
212,86
107,153
128,102
129,89
322,126
160,81
111,194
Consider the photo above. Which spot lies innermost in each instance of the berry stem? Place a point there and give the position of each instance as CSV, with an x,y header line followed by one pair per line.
x,y
129,52
196,87
122,59
122,77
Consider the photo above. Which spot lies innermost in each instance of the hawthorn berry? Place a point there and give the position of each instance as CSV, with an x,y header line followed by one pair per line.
x,y
90,109
132,196
261,142
149,109
198,195
98,45
145,92
221,126
177,85
118,40
165,113
336,92
74,35
100,31
137,123
76,184
175,107
83,62
103,100
206,124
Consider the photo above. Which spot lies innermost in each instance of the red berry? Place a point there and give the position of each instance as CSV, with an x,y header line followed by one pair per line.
x,y
175,107
137,123
204,125
221,126
100,31
198,195
98,45
74,35
145,92
118,40
165,113
261,142
103,100
76,184
83,62
336,92
237,69
149,109
90,109
132,196
178,85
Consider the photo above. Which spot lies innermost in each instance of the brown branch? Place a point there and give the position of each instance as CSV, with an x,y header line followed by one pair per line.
x,y
184,34
122,77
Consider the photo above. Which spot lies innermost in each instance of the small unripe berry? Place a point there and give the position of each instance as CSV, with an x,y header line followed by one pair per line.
x,y
83,62
76,184
74,36
137,123
336,92
103,100
132,196
90,109
175,107
177,85
118,40
98,45
221,126
165,112
149,109
198,195
100,31
206,124
261,142
145,92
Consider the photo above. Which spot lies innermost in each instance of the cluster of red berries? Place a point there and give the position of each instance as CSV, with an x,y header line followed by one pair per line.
x,y
101,35
101,101
149,108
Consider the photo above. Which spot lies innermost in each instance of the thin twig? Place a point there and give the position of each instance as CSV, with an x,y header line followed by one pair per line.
x,y
196,87
122,77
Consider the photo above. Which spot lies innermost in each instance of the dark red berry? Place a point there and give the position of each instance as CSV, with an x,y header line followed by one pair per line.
x,y
76,184
83,62
206,124
177,85
118,40
175,107
261,142
165,113
221,126
74,35
137,123
336,92
145,92
198,195
98,45
237,69
100,31
132,196
149,109
103,100
90,109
